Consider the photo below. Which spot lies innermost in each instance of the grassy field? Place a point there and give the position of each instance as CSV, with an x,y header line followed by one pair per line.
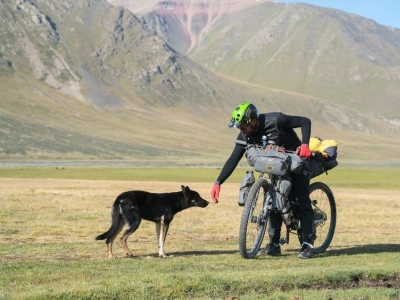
x,y
49,218
346,177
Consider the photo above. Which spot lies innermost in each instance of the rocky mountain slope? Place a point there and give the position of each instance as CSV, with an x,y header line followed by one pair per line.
x,y
326,53
87,80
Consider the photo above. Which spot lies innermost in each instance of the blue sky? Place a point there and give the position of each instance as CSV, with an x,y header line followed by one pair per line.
x,y
384,12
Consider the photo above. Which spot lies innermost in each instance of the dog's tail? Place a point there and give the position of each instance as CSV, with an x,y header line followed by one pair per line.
x,y
115,219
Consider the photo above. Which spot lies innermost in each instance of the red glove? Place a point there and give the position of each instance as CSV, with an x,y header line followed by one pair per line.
x,y
304,151
215,193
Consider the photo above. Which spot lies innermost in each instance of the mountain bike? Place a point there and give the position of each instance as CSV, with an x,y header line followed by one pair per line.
x,y
261,201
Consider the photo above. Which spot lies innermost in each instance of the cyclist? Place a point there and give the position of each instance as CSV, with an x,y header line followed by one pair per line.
x,y
278,127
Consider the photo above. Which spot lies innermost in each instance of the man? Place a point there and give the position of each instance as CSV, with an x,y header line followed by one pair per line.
x,y
278,128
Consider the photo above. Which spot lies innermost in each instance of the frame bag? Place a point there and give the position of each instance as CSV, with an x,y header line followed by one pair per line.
x,y
278,199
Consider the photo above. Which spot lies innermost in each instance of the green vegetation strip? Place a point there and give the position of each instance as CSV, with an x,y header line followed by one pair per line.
x,y
344,177
202,276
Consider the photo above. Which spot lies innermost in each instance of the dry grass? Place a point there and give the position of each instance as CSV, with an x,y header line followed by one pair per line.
x,y
36,211
47,247
75,211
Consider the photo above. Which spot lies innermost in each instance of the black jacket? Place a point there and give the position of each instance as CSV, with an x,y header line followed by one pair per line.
x,y
278,127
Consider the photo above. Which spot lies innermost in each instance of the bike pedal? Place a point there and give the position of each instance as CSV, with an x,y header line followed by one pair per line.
x,y
282,241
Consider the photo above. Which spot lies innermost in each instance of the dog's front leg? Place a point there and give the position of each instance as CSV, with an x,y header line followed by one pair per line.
x,y
162,229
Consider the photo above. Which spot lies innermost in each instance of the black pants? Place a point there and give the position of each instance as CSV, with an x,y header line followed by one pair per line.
x,y
300,195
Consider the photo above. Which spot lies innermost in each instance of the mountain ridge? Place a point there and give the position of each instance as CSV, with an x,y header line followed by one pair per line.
x,y
321,52
88,80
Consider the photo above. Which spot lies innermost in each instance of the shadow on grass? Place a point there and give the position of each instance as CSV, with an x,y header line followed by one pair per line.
x,y
331,251
364,249
359,249
212,252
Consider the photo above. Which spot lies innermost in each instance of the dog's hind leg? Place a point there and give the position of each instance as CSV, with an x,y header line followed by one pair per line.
x,y
124,238
132,221
161,230
111,239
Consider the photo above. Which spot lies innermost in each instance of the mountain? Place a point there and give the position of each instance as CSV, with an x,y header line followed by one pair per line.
x,y
325,53
88,80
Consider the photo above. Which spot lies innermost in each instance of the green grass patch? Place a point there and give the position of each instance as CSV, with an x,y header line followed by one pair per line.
x,y
206,274
344,177
358,177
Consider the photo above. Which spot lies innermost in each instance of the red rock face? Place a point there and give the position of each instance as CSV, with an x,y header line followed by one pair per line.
x,y
185,7
170,7
193,16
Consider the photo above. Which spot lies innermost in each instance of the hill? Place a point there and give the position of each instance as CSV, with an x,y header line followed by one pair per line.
x,y
325,53
88,80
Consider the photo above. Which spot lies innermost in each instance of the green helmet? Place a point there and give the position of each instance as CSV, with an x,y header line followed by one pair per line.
x,y
243,113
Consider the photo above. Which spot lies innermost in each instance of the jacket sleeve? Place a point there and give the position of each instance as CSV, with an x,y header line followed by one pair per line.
x,y
287,122
232,162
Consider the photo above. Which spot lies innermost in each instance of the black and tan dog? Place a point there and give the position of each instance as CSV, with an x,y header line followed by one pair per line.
x,y
131,207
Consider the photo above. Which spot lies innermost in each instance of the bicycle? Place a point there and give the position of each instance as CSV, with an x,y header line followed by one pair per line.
x,y
259,204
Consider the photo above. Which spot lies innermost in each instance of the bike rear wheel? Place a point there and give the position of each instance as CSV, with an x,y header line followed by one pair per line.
x,y
254,220
324,206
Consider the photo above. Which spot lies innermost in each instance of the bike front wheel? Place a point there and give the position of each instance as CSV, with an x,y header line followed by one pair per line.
x,y
323,203
254,220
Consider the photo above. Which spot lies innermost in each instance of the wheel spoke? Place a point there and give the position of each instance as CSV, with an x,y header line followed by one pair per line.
x,y
324,207
253,224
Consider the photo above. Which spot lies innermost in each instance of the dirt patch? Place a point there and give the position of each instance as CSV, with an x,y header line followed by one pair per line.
x,y
357,281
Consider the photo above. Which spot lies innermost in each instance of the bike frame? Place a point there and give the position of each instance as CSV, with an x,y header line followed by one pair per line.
x,y
257,215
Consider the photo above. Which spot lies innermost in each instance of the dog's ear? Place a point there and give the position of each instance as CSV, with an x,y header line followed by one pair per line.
x,y
186,191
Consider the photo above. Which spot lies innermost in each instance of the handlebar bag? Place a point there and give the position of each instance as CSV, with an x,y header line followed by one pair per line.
x,y
251,155
296,163
272,162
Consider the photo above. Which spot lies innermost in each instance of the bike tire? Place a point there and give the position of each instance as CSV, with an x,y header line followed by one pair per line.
x,y
322,197
254,220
